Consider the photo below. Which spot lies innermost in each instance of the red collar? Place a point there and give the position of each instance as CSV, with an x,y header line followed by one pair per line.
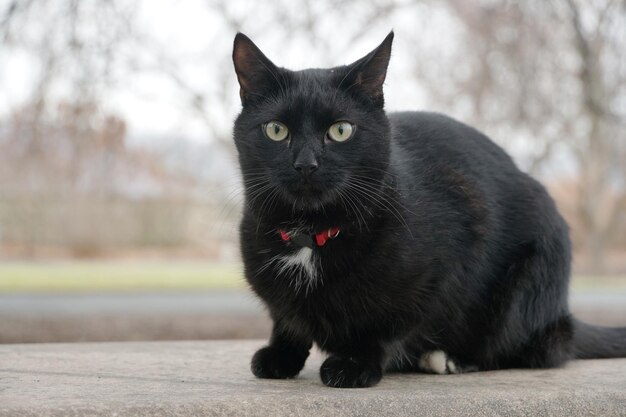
x,y
320,238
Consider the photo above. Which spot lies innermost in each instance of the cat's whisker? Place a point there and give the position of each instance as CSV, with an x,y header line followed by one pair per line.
x,y
268,197
351,209
354,201
395,199
256,194
384,204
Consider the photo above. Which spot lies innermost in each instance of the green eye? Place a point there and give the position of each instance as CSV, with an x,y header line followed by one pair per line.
x,y
275,131
341,131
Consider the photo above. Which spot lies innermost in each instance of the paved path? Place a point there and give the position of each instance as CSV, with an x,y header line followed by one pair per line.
x,y
186,316
203,302
213,379
149,302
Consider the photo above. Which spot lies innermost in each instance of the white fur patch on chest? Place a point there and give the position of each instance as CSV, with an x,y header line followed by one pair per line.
x,y
300,267
302,258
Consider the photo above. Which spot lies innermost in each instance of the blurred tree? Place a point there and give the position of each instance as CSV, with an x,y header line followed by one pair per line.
x,y
67,174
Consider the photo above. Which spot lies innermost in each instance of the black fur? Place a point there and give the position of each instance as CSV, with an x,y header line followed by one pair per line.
x,y
444,243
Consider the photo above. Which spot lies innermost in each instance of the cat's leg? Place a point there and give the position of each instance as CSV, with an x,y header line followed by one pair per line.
x,y
436,361
358,367
549,346
284,357
530,326
412,355
439,362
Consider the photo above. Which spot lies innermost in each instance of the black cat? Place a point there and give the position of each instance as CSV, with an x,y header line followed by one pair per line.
x,y
399,242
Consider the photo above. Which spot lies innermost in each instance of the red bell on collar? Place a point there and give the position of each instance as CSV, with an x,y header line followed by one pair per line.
x,y
320,238
284,235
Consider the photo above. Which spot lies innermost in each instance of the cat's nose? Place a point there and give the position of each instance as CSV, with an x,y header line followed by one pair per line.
x,y
306,162
306,168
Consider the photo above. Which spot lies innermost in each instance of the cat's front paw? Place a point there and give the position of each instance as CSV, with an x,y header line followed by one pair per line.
x,y
350,372
271,362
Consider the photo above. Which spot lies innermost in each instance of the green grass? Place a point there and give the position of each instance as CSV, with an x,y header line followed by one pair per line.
x,y
117,276
600,282
111,276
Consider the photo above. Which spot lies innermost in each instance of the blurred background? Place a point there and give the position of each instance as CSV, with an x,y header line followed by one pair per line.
x,y
119,186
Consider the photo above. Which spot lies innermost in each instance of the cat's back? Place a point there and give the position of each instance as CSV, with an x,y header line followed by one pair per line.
x,y
433,138
438,154
444,161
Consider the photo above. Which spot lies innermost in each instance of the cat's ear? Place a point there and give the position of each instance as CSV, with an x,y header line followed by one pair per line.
x,y
370,71
255,72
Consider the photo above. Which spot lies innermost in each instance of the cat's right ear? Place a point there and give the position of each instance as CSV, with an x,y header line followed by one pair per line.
x,y
369,72
255,72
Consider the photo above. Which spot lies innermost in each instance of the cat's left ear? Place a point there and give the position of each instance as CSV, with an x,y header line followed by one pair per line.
x,y
370,71
255,72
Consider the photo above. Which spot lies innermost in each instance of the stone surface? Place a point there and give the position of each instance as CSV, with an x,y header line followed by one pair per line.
x,y
213,379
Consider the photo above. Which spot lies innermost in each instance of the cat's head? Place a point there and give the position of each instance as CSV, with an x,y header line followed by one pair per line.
x,y
312,139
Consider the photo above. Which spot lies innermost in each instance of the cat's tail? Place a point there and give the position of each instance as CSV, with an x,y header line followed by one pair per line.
x,y
592,342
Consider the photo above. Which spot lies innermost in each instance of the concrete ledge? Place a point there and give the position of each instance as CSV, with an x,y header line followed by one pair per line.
x,y
213,379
